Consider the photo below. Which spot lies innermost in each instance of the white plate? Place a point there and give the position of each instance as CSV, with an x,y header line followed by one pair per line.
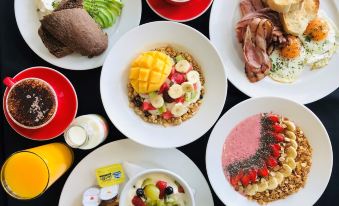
x,y
114,80
28,22
311,86
322,157
83,175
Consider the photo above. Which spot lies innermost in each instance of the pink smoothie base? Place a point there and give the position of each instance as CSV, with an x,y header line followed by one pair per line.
x,y
243,141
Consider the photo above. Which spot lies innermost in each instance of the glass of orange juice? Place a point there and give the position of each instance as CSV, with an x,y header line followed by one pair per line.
x,y
29,173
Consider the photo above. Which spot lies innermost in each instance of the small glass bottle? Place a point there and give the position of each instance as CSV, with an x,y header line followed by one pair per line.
x,y
86,132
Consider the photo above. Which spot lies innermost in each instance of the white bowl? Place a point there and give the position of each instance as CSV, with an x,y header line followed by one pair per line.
x,y
114,80
322,157
126,190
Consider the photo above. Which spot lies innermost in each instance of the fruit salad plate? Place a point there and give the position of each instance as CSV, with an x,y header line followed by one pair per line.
x,y
269,150
83,175
309,87
28,22
159,88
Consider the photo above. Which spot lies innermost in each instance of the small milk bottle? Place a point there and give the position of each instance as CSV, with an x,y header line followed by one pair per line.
x,y
86,131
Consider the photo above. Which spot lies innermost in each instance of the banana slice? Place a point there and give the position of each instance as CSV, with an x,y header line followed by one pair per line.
x,y
279,176
251,189
294,144
290,125
272,183
286,170
187,86
291,163
291,152
290,135
182,66
193,76
175,91
262,185
157,101
178,110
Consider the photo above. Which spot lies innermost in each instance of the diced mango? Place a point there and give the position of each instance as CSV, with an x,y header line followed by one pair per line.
x,y
143,74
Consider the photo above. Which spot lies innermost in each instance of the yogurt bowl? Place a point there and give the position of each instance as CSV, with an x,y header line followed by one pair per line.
x,y
157,187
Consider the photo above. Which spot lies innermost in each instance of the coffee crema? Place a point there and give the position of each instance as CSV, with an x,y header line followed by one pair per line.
x,y
31,102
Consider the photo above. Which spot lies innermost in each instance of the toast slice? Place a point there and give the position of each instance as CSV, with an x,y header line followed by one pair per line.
x,y
284,6
296,21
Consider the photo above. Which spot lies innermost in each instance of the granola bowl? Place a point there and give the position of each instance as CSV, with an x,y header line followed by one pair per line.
x,y
269,151
159,88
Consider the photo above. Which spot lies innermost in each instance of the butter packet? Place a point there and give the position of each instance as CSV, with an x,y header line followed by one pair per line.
x,y
110,175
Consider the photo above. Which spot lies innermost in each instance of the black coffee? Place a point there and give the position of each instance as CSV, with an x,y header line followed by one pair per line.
x,y
31,102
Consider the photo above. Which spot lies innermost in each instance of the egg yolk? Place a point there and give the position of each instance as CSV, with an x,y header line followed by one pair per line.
x,y
317,29
292,48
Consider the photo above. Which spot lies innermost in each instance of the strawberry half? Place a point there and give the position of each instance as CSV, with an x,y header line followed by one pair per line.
x,y
161,185
263,172
181,189
275,150
164,87
234,181
252,175
137,201
277,128
271,161
178,78
146,106
245,180
180,99
167,115
273,118
279,137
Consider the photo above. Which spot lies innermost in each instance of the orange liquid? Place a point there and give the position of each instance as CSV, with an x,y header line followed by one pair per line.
x,y
28,173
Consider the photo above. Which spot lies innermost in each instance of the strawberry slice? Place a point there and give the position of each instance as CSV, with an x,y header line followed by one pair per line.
x,y
263,172
137,201
275,150
273,118
180,99
167,115
178,78
278,137
146,106
181,189
277,128
164,87
245,180
271,161
161,185
172,72
234,181
252,175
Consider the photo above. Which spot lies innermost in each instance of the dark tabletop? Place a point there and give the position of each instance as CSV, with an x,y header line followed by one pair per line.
x,y
15,56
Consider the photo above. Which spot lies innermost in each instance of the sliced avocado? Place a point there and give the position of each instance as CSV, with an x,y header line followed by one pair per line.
x,y
115,10
109,16
98,20
104,18
117,3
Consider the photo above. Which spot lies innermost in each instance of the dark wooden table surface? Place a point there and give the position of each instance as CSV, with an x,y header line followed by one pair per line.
x,y
15,56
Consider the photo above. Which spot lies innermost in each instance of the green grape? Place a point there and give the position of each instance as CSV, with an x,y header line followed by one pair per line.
x,y
146,182
152,192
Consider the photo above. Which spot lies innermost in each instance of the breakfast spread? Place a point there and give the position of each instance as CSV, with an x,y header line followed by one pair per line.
x,y
157,190
166,86
266,157
31,103
281,37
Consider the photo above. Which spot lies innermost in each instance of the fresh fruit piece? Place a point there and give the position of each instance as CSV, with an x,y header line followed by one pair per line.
x,y
286,170
152,192
167,115
253,175
178,110
178,78
251,189
187,86
157,101
279,176
182,66
164,87
290,125
294,144
277,128
275,150
290,162
193,76
162,109
137,201
291,152
167,97
140,192
169,190
273,118
262,185
291,135
161,203
146,182
272,183
180,99
179,58
150,202
234,181
161,185
245,180
263,172
180,188
279,137
146,106
175,91
271,162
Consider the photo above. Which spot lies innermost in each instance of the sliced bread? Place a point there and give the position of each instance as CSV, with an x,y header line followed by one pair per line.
x,y
284,6
296,21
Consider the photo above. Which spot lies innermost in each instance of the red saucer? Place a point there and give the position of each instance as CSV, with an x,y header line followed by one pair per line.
x,y
67,104
179,12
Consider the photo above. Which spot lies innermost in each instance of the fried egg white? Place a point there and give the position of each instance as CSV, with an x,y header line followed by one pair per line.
x,y
319,53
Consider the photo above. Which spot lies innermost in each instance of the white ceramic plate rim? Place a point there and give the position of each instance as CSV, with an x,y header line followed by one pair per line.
x,y
28,24
148,158
309,88
320,142
128,122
